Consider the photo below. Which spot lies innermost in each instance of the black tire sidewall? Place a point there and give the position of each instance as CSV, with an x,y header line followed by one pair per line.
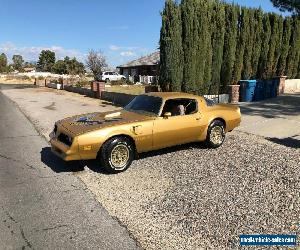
x,y
106,153
211,126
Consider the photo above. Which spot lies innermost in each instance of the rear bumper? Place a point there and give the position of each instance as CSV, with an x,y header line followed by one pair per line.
x,y
63,151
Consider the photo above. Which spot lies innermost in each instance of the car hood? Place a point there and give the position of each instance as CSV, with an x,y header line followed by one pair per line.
x,y
81,124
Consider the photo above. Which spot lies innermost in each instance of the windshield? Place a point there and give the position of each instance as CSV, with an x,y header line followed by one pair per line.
x,y
149,105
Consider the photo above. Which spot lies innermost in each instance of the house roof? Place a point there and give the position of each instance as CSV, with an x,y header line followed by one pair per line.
x,y
152,59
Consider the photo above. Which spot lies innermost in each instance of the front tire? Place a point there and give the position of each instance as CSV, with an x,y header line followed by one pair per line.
x,y
116,154
215,134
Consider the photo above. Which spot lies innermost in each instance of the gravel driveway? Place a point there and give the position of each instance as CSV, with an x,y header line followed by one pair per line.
x,y
191,197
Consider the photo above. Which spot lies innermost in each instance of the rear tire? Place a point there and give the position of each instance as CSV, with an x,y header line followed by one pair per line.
x,y
116,154
107,80
215,134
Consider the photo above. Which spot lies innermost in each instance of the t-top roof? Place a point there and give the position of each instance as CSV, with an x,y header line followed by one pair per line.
x,y
152,59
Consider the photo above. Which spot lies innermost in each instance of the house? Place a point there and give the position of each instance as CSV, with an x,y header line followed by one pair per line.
x,y
143,70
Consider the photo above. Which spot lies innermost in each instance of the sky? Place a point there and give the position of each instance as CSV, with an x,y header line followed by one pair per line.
x,y
122,29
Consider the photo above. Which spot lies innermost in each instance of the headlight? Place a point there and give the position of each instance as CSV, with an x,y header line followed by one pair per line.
x,y
65,139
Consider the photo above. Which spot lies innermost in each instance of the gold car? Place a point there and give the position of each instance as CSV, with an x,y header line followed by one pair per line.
x,y
149,122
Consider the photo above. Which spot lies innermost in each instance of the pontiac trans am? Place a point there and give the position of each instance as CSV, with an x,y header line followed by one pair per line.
x,y
149,122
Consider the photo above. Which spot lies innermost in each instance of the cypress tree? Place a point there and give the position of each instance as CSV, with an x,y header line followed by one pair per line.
x,y
285,45
204,51
297,48
298,74
171,53
296,71
278,45
218,20
274,39
207,32
238,67
258,30
230,44
190,45
248,34
263,61
293,58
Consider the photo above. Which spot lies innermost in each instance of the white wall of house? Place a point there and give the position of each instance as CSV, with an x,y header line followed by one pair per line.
x,y
292,85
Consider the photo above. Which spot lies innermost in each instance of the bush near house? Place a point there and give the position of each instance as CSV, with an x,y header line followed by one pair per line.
x,y
207,45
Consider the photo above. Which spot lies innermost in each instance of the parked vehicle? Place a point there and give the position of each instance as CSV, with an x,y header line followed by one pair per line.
x,y
149,122
108,76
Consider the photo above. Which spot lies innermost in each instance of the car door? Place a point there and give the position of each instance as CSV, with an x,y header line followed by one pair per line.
x,y
178,129
112,76
116,76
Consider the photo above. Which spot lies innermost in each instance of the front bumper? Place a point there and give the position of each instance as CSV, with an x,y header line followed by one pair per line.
x,y
63,151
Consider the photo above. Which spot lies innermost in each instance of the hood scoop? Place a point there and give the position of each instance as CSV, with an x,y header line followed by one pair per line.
x,y
113,115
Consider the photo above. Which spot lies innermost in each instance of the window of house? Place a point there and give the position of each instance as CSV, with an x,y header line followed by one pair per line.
x,y
179,107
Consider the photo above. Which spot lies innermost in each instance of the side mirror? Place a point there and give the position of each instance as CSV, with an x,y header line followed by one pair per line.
x,y
167,115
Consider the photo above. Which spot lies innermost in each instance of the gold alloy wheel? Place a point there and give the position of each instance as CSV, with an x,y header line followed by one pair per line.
x,y
216,135
119,156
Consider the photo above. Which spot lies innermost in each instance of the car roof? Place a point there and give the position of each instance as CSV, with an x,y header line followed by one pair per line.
x,y
175,95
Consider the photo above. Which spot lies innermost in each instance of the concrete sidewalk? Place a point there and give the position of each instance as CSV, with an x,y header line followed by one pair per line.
x,y
276,119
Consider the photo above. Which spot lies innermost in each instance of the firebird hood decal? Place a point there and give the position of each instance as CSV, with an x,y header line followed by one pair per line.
x,y
86,123
89,120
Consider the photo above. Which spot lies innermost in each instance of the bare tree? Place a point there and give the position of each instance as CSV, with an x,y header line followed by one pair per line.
x,y
96,62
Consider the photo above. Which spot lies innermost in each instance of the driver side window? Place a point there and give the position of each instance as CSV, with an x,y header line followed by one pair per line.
x,y
180,107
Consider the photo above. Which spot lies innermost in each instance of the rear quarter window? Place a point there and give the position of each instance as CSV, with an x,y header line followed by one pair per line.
x,y
209,102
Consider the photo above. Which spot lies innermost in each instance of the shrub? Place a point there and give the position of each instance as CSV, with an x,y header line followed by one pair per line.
x,y
82,83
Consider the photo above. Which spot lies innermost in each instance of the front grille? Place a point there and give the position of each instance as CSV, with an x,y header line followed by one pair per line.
x,y
65,139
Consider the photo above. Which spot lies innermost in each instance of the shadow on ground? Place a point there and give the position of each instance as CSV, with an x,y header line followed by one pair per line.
x,y
286,105
290,142
59,166
199,145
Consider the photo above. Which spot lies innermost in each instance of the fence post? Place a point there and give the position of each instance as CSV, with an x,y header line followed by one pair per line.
x,y
234,93
95,89
281,87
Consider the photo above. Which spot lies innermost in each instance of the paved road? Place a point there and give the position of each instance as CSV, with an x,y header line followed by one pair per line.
x,y
41,209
